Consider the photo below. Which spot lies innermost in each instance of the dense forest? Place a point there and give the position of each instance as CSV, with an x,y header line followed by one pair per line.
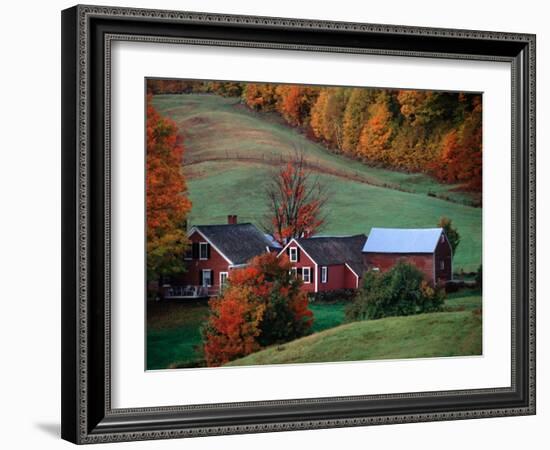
x,y
439,133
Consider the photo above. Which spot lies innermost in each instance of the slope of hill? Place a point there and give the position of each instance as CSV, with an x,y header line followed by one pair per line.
x,y
421,336
223,137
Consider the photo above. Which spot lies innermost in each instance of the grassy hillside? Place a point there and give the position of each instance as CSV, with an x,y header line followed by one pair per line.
x,y
422,336
223,137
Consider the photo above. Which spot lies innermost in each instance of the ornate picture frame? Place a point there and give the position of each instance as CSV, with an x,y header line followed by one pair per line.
x,y
88,33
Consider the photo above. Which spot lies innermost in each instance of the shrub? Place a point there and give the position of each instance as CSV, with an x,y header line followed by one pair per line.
x,y
262,305
338,295
401,291
479,277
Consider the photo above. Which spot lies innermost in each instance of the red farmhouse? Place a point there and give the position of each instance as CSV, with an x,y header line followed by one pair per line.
x,y
428,249
215,251
327,263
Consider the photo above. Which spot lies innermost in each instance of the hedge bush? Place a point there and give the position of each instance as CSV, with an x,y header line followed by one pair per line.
x,y
401,291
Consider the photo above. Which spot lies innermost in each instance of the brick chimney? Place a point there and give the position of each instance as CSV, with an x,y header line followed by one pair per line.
x,y
232,219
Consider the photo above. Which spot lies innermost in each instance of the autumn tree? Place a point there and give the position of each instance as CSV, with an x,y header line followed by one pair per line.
x,y
354,117
409,102
461,158
294,102
225,88
452,233
262,305
260,96
295,200
374,140
327,116
318,117
166,197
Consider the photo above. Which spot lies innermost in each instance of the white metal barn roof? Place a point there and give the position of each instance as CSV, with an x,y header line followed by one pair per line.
x,y
402,240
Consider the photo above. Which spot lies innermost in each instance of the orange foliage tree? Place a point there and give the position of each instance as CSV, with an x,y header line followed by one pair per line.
x,y
375,136
260,96
294,102
166,197
262,305
296,201
460,159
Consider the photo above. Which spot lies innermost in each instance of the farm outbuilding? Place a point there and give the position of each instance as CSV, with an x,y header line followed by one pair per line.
x,y
428,249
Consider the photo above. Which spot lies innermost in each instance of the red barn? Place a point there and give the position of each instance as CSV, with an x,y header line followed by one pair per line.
x,y
215,251
428,249
327,263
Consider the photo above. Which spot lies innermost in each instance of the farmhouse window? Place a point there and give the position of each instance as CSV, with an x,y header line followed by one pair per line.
x,y
324,274
294,272
293,254
195,250
223,281
306,275
204,250
442,265
206,277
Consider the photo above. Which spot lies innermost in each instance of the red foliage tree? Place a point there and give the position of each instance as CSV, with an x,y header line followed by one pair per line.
x,y
166,196
294,102
461,158
262,305
295,201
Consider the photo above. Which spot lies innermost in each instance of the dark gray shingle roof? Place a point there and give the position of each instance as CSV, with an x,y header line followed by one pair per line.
x,y
238,242
329,250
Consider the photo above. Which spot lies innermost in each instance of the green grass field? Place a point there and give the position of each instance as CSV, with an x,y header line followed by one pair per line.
x,y
232,152
421,336
173,334
174,339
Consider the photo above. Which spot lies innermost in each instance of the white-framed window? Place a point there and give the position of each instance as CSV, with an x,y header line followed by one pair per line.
x,y
203,250
293,254
306,275
442,264
324,274
294,272
223,280
207,277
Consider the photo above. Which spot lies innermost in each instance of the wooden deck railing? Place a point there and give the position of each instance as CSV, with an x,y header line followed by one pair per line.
x,y
175,292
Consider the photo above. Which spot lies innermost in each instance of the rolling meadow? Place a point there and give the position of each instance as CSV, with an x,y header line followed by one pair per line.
x,y
231,150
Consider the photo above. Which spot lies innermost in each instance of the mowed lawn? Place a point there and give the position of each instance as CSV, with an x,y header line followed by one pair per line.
x,y
214,127
174,338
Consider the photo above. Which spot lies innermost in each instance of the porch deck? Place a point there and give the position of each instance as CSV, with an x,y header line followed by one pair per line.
x,y
188,292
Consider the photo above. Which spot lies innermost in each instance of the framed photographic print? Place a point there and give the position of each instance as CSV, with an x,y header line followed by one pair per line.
x,y
282,224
